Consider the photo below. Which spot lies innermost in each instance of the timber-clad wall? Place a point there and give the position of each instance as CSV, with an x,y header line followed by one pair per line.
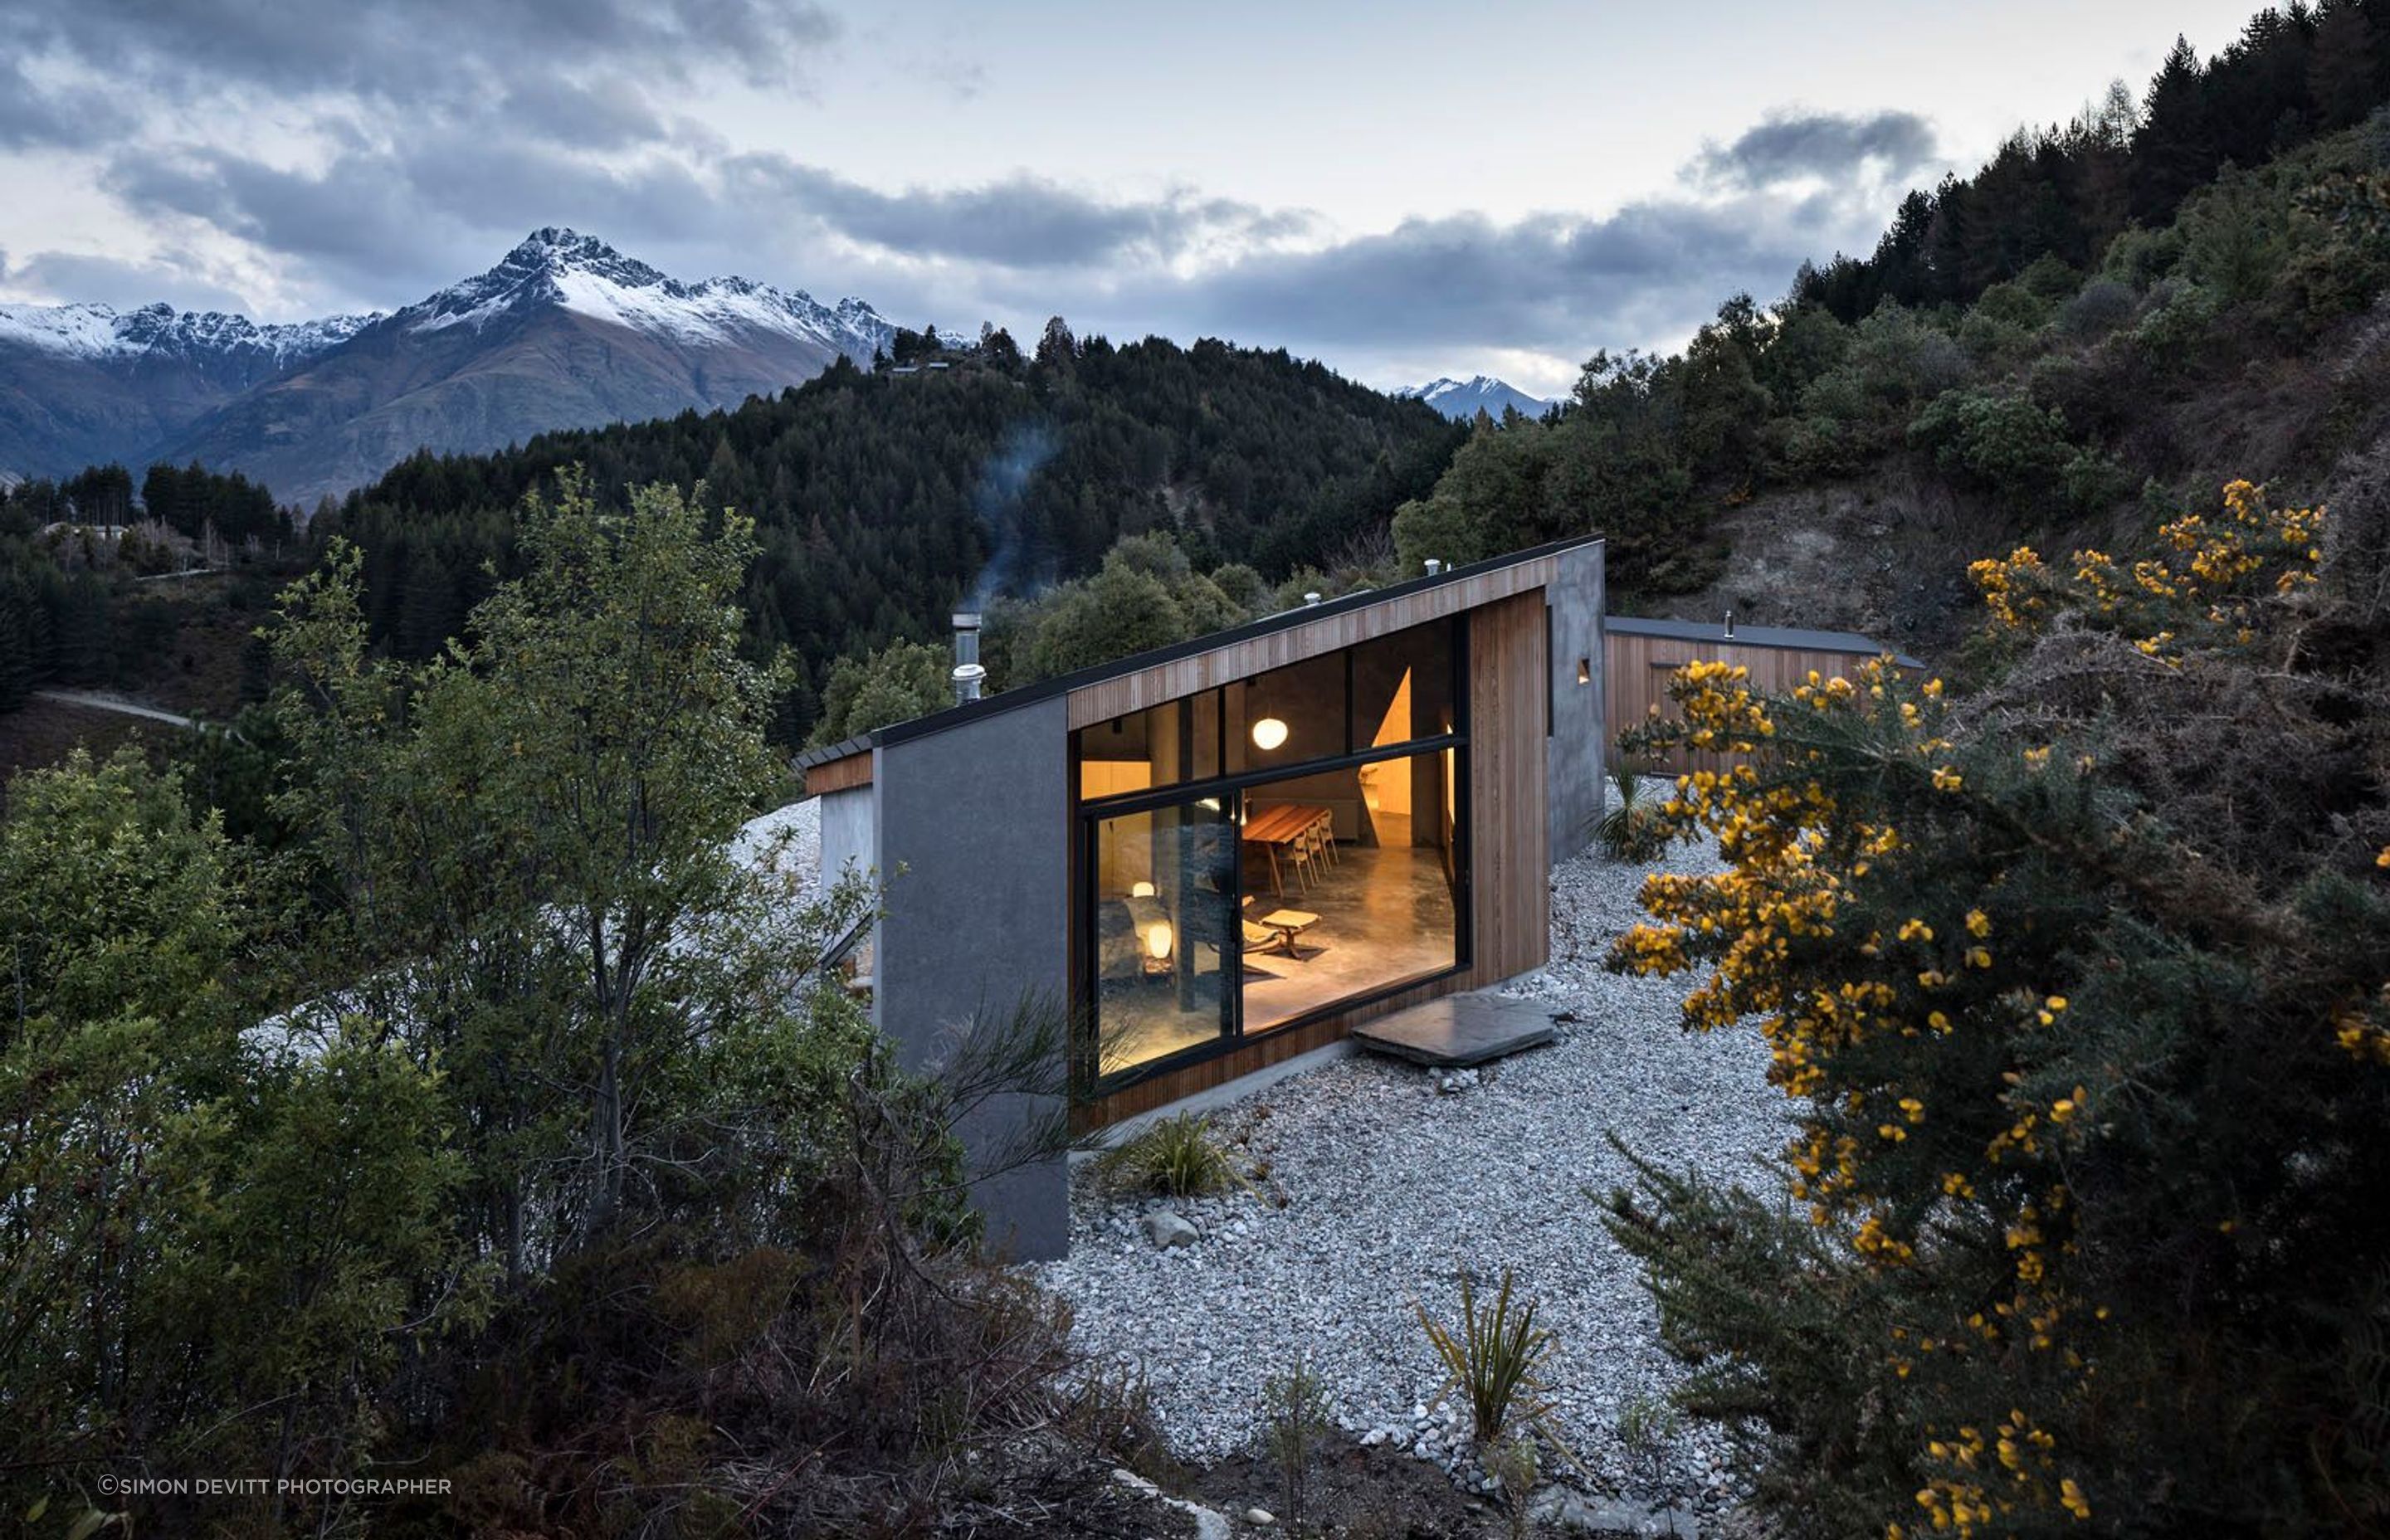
x,y
1510,882
839,775
1639,668
1129,692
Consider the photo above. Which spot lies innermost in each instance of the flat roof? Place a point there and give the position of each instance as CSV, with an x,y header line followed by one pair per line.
x,y
1046,690
1755,635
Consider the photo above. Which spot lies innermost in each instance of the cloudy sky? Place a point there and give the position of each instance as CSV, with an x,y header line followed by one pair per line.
x,y
1402,189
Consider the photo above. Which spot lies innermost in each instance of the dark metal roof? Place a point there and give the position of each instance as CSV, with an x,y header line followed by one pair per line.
x,y
1046,690
1755,635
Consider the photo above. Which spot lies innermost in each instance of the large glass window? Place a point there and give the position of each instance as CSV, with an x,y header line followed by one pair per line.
x,y
1352,885
1162,894
1164,745
1262,853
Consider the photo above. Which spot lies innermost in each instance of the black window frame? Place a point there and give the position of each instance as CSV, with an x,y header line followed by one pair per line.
x,y
1089,1082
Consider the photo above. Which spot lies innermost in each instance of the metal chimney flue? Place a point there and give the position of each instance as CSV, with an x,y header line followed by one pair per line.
x,y
1433,567
1730,626
967,675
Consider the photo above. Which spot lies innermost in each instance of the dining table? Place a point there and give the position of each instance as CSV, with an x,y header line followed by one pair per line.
x,y
1275,827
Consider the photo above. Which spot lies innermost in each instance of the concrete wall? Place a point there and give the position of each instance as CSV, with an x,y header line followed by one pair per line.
x,y
850,835
1580,742
974,844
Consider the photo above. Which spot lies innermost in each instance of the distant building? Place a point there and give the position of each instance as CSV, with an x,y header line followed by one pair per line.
x,y
1643,655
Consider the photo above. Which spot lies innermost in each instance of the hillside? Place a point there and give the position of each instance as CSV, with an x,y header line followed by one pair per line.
x,y
2084,333
883,499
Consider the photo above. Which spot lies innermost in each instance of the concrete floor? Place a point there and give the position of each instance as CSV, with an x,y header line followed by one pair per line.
x,y
1386,914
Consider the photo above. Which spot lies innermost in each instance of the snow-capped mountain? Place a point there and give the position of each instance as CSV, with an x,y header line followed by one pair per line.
x,y
81,383
88,331
581,274
1466,398
564,332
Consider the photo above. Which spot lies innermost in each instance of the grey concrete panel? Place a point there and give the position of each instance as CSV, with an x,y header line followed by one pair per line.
x,y
974,850
1579,747
850,838
1459,1030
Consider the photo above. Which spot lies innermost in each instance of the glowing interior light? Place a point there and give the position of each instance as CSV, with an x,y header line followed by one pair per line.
x,y
1268,733
1140,889
1157,939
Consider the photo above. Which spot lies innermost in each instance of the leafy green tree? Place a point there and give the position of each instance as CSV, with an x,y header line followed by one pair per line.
x,y
529,839
897,683
208,1246
1119,612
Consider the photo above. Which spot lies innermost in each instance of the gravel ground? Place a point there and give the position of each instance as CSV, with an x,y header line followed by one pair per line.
x,y
1393,1185
759,839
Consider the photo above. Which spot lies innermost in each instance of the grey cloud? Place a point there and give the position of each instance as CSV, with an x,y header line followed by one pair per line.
x,y
33,116
427,49
126,285
1790,145
1021,221
1558,285
568,113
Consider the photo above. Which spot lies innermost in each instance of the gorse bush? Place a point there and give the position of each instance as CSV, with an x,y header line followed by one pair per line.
x,y
2082,992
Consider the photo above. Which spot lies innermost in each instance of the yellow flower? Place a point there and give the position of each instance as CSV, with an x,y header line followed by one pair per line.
x,y
1917,929
1979,924
1948,779
2070,1496
2383,859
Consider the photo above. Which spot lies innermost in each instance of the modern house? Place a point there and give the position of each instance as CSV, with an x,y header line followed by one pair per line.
x,y
1643,654
1230,852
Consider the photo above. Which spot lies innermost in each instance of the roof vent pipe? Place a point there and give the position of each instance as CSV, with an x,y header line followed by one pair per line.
x,y
1433,566
1730,626
967,675
1311,597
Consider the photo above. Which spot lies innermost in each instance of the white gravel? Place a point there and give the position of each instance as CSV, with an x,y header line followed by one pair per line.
x,y
1394,1186
787,840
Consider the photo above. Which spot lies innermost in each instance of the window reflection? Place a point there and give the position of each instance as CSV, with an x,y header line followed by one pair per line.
x,y
1162,901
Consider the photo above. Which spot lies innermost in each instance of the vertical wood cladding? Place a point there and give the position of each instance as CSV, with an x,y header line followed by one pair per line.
x,y
1510,888
1639,668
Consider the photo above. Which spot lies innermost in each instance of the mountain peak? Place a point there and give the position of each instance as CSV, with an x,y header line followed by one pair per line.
x,y
557,268
559,248
1466,398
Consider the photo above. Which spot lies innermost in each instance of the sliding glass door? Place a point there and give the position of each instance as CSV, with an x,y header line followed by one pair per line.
x,y
1162,886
